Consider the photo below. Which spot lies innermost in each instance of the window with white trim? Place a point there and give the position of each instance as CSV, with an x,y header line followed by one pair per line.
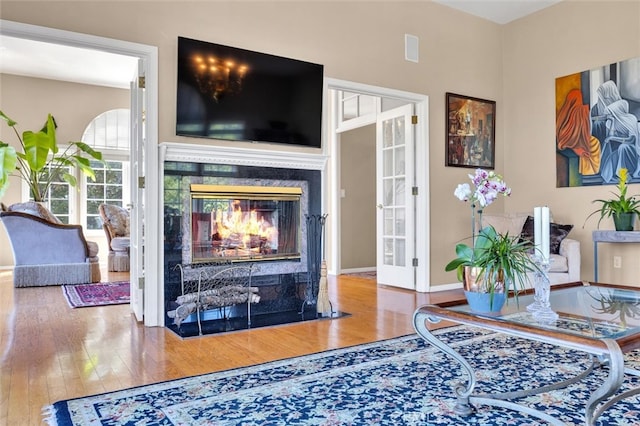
x,y
109,134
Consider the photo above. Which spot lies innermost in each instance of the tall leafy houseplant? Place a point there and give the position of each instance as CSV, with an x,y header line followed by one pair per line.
x,y
503,261
41,162
494,262
619,205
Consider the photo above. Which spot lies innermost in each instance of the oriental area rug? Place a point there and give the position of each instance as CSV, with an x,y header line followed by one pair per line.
x,y
98,294
401,381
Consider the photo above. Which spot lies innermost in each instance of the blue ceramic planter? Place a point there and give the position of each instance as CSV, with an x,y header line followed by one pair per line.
x,y
481,302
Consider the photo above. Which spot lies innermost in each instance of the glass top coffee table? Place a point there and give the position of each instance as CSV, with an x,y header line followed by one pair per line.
x,y
599,319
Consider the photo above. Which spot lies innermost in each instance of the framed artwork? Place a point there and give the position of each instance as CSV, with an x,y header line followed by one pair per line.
x,y
471,131
598,125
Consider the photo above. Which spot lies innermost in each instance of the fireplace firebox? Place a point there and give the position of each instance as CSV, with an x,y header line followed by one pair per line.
x,y
245,223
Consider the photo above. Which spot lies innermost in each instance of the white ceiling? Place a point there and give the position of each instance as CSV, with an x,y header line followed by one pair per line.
x,y
57,62
499,11
52,61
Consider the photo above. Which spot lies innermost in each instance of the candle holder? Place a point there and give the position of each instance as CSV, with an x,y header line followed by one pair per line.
x,y
541,307
537,304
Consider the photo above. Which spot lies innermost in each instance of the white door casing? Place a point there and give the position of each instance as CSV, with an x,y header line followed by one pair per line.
x,y
395,219
136,208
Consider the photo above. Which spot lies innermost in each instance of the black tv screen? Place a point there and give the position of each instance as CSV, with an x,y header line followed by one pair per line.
x,y
236,94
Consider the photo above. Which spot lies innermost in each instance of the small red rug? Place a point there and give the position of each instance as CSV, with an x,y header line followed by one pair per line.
x,y
98,294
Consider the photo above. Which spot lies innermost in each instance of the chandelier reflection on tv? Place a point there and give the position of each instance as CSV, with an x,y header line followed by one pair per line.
x,y
217,77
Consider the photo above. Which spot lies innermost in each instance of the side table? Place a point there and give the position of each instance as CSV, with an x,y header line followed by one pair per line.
x,y
611,237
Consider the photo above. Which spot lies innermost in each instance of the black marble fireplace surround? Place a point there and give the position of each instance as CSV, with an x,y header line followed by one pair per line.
x,y
282,283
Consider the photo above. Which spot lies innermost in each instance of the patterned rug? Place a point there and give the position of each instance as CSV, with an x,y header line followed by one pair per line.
x,y
98,294
402,381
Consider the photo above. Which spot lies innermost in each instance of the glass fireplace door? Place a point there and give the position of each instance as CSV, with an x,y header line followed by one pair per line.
x,y
241,223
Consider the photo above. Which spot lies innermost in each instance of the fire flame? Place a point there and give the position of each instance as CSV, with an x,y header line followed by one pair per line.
x,y
240,226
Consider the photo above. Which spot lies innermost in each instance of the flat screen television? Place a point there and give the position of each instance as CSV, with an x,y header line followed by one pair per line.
x,y
236,94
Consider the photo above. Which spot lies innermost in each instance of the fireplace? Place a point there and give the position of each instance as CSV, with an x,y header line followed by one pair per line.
x,y
245,223
205,189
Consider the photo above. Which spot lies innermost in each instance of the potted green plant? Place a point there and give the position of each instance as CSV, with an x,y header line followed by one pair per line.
x,y
622,208
496,264
41,162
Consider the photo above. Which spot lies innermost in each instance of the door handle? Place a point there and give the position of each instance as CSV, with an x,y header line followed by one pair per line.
x,y
380,206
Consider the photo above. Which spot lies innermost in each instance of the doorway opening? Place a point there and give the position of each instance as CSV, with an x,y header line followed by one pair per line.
x,y
148,308
355,120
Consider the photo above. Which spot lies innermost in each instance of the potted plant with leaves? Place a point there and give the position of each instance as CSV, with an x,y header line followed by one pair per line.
x,y
40,161
496,264
624,209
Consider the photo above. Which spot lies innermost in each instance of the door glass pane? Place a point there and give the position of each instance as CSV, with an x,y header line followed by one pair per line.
x,y
388,251
399,192
387,133
399,131
400,252
387,163
388,222
400,222
387,192
399,161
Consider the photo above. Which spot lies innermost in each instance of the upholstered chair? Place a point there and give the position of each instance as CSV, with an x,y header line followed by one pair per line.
x,y
565,252
46,251
115,222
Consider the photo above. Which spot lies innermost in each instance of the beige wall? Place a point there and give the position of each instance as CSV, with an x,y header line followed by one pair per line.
x,y
358,206
514,64
568,38
28,101
356,41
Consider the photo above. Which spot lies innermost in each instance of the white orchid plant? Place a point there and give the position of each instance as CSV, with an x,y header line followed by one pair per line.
x,y
503,257
488,185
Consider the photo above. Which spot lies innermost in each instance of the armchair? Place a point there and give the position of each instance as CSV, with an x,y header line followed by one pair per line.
x,y
115,222
47,252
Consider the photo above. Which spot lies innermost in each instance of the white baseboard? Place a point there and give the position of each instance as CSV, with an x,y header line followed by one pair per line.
x,y
445,287
358,270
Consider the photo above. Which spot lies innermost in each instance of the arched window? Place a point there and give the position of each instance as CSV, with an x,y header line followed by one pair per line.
x,y
109,134
109,131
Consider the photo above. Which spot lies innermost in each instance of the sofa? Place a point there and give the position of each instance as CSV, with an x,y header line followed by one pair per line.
x,y
564,263
46,251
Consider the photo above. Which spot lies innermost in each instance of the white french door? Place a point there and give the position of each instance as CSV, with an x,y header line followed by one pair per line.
x,y
395,179
137,206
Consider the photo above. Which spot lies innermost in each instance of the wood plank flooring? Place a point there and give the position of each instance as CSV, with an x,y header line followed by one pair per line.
x,y
50,352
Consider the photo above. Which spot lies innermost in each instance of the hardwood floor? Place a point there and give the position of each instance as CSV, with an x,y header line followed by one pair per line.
x,y
51,352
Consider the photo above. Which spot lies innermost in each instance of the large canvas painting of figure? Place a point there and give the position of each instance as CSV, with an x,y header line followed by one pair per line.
x,y
598,125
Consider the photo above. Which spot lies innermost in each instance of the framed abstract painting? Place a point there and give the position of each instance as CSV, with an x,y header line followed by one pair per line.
x,y
470,131
598,125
